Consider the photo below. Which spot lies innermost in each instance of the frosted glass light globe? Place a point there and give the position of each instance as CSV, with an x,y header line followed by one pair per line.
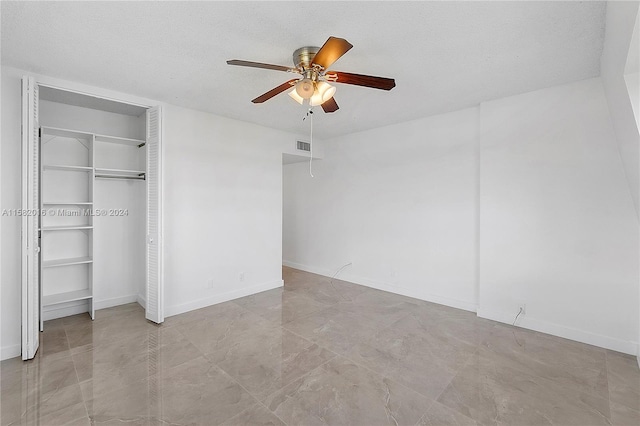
x,y
305,88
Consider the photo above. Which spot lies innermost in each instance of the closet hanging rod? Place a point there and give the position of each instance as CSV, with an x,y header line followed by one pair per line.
x,y
140,177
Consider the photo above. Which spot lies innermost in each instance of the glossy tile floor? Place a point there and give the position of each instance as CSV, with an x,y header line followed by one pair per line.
x,y
314,353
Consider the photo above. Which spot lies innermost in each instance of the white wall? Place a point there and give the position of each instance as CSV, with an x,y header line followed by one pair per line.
x,y
620,56
557,226
621,19
223,215
399,202
633,87
10,274
557,223
222,205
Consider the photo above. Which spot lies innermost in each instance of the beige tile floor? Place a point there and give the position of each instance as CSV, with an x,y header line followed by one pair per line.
x,y
314,353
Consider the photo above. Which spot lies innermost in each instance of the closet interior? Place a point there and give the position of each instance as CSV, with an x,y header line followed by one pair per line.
x,y
93,203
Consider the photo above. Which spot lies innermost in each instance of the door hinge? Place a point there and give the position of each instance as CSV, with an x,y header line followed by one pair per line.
x,y
39,132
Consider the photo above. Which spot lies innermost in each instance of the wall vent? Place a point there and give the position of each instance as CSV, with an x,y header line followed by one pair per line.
x,y
303,146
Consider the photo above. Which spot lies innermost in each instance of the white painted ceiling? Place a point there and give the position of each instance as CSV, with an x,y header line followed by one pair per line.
x,y
444,55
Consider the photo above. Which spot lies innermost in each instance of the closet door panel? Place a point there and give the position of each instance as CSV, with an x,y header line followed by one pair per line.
x,y
154,293
30,222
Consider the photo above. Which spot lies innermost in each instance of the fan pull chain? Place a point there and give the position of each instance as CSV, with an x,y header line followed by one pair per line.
x,y
310,115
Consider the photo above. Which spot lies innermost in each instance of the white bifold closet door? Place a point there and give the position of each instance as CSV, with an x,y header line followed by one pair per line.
x,y
155,293
30,219
30,242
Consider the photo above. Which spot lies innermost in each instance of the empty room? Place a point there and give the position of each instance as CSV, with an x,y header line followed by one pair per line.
x,y
320,213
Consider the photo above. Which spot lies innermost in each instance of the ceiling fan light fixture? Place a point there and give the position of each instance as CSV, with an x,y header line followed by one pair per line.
x,y
294,95
305,88
316,99
324,92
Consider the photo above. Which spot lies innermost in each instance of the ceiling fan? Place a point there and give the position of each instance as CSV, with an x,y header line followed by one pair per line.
x,y
312,64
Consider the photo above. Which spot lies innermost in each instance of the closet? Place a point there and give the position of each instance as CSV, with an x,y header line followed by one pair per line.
x,y
92,191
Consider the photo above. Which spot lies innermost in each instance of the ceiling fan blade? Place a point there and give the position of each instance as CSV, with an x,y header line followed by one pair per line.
x,y
275,91
331,51
259,65
361,80
330,105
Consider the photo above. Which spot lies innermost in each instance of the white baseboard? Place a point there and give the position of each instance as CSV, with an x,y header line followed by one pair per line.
x,y
367,282
142,301
81,306
308,268
64,310
219,298
627,347
116,301
10,351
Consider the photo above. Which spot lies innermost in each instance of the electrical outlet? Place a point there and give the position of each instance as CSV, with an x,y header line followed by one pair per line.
x,y
241,276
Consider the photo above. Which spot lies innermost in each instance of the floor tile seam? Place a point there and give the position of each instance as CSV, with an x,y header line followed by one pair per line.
x,y
456,372
546,382
545,363
195,345
84,403
633,410
273,412
542,361
19,366
308,373
546,336
635,365
462,368
347,357
370,328
176,325
560,385
311,342
367,339
200,351
249,311
244,389
66,335
293,380
448,408
58,387
311,313
119,388
325,306
384,376
301,317
609,390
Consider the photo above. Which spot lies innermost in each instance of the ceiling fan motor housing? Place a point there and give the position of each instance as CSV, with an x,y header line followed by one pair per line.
x,y
302,57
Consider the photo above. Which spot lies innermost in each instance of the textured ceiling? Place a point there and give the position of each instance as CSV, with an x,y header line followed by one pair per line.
x,y
443,55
